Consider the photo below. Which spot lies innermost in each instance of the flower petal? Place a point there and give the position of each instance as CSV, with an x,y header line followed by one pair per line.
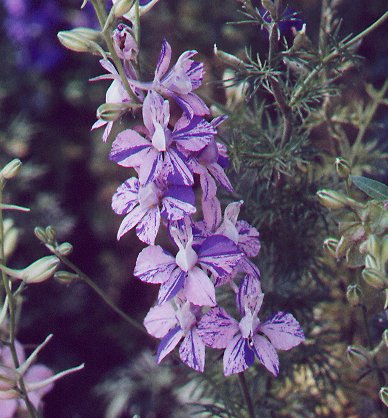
x,y
154,265
148,227
178,202
178,170
130,220
163,61
218,173
168,343
160,319
191,104
266,353
151,167
249,295
192,351
199,288
237,356
283,330
172,286
125,198
130,149
248,238
217,328
195,135
219,254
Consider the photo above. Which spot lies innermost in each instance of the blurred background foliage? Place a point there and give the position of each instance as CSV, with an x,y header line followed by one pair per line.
x,y
47,107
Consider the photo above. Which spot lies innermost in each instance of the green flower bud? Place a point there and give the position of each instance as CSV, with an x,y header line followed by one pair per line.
x,y
384,251
111,111
374,246
65,248
342,247
353,294
384,395
374,278
370,262
87,33
50,233
11,235
342,168
229,59
40,233
74,41
330,246
121,7
332,199
36,272
65,277
358,356
11,169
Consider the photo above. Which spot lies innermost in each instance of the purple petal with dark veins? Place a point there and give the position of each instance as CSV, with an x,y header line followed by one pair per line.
x,y
178,170
168,343
152,167
130,149
218,173
283,330
219,254
248,295
148,227
160,319
237,356
163,61
130,220
191,104
199,289
192,351
125,198
172,286
217,328
248,238
154,265
195,135
266,353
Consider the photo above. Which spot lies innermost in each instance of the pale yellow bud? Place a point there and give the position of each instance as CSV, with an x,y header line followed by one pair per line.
x,y
64,249
332,199
353,294
342,167
358,356
121,7
11,169
330,247
374,278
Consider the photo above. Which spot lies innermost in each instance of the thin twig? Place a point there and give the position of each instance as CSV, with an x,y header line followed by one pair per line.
x,y
246,394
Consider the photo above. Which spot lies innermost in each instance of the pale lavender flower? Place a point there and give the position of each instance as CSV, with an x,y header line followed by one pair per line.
x,y
187,271
141,205
248,338
158,155
174,324
178,83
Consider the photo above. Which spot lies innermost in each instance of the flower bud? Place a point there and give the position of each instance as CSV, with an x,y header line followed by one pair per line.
x,y
111,111
50,233
384,251
75,41
332,199
384,395
11,169
374,278
40,233
36,272
65,277
87,33
373,246
229,59
342,168
330,246
11,235
353,294
121,7
370,262
342,247
64,249
357,355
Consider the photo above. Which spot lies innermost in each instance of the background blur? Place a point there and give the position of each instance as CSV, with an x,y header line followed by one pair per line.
x,y
47,107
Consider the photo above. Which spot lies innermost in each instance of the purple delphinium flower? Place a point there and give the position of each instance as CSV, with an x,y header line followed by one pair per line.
x,y
173,325
158,155
187,271
178,83
248,338
141,205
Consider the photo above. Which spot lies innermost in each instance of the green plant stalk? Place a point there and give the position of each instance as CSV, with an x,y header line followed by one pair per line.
x,y
369,116
102,18
84,277
246,394
335,54
12,319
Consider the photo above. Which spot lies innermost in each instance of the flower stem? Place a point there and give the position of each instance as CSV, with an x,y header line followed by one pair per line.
x,y
100,293
12,318
247,396
102,18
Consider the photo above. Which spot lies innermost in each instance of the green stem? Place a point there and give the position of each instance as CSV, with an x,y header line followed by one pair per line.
x,y
246,394
100,293
335,54
12,318
102,18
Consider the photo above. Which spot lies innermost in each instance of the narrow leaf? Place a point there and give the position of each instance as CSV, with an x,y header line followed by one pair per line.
x,y
372,188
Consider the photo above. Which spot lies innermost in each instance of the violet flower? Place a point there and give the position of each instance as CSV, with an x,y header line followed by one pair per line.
x,y
141,205
248,338
173,325
158,155
187,271
178,83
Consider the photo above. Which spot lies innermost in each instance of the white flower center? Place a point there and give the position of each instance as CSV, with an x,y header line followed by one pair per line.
x,y
148,196
186,258
159,140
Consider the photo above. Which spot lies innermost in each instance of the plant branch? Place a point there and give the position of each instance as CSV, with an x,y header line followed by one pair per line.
x,y
335,54
247,396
